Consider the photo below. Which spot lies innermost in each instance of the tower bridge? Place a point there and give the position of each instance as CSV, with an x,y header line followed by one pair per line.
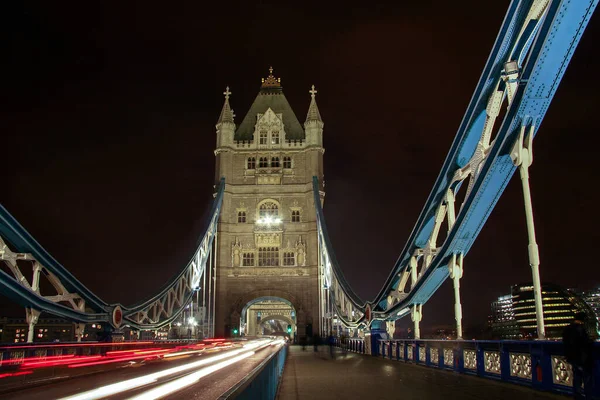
x,y
265,256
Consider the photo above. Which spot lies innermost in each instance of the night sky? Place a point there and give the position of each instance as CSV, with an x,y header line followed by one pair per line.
x,y
107,134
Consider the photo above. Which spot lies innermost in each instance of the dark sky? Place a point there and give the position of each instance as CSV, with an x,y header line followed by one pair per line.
x,y
107,134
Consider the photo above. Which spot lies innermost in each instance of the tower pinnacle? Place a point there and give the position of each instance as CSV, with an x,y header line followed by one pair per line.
x,y
313,110
226,112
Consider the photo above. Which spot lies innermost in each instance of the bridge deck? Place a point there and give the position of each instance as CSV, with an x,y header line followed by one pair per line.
x,y
313,376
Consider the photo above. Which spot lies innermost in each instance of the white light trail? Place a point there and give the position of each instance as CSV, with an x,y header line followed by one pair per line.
x,y
188,380
119,387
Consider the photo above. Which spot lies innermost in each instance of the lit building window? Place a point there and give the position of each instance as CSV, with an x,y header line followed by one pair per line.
x,y
287,162
263,137
263,162
295,216
275,162
242,217
268,256
275,137
268,209
248,260
289,259
251,163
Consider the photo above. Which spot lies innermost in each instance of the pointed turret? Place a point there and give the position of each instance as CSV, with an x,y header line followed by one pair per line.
x,y
313,111
314,124
225,125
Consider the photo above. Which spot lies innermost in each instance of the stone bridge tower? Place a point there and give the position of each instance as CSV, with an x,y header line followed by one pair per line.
x,y
267,252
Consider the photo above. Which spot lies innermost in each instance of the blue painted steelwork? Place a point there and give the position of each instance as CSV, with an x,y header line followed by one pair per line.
x,y
531,53
20,241
538,364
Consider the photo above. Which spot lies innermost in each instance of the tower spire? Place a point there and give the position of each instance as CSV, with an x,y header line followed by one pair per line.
x,y
313,111
226,112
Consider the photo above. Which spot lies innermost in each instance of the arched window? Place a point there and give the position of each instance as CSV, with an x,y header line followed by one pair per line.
x,y
275,137
263,162
242,217
275,162
268,256
248,259
268,209
263,137
251,163
288,259
287,162
295,216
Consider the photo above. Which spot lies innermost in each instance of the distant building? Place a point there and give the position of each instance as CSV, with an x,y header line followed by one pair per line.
x,y
592,298
15,330
502,319
513,315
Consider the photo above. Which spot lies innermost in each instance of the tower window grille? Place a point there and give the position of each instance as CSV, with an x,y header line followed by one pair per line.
x,y
263,137
251,163
268,256
289,259
268,209
248,260
275,137
242,217
287,162
275,162
263,162
295,216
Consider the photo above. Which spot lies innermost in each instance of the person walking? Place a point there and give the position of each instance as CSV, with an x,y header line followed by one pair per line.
x,y
579,352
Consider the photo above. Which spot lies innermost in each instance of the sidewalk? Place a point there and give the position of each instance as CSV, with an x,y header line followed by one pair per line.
x,y
314,376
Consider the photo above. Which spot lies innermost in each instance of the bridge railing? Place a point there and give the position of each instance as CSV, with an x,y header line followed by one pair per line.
x,y
539,364
263,382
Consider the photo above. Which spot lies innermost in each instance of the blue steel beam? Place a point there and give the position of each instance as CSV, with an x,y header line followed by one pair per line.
x,y
542,45
21,241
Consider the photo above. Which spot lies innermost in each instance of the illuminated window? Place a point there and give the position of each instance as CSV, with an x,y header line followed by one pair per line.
x,y
295,216
289,259
275,137
263,162
263,137
287,162
268,209
268,256
242,217
251,164
248,260
275,162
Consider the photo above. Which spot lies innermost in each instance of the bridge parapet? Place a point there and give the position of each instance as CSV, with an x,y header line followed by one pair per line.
x,y
539,364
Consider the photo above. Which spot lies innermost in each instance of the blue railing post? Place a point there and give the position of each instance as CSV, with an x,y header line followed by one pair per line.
x,y
377,332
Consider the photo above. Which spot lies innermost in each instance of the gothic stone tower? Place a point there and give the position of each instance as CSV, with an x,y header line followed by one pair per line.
x,y
267,235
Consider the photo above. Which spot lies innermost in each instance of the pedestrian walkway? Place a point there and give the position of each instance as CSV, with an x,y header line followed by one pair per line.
x,y
314,376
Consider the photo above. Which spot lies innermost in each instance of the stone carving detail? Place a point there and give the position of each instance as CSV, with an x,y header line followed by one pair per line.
x,y
562,371
434,356
448,357
268,239
236,252
409,352
422,354
470,358
520,365
491,362
402,351
300,252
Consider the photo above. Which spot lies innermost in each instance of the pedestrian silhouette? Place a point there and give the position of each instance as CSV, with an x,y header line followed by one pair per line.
x,y
578,351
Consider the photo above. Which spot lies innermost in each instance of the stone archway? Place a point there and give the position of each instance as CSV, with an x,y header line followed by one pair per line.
x,y
259,310
285,321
